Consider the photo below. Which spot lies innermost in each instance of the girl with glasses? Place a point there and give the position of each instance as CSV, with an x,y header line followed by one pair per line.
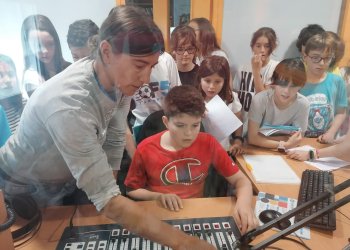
x,y
325,91
183,44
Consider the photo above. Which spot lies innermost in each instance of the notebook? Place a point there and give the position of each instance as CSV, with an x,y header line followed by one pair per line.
x,y
271,169
268,130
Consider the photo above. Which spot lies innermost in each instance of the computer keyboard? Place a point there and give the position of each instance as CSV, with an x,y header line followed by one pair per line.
x,y
313,183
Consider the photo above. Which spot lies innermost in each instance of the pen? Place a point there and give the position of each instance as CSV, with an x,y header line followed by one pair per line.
x,y
249,167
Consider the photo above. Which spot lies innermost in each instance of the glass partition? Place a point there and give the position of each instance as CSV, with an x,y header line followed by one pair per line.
x,y
179,12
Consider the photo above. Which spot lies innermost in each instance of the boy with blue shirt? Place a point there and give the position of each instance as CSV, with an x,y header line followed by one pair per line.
x,y
325,91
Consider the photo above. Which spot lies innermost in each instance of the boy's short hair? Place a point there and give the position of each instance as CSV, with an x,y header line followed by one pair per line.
x,y
306,33
321,42
290,70
80,32
183,99
339,47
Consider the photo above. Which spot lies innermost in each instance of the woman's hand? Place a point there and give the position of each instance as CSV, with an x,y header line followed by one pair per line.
x,y
171,201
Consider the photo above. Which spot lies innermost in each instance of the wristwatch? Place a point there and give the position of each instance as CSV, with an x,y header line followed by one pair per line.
x,y
281,148
313,154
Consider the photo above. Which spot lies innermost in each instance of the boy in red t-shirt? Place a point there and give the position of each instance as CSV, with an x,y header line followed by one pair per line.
x,y
173,164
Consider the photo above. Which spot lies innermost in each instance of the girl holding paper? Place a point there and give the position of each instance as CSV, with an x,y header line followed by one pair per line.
x,y
213,78
280,105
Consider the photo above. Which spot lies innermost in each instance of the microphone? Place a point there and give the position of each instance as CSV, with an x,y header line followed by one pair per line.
x,y
243,242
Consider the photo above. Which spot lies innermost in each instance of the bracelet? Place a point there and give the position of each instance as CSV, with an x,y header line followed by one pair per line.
x,y
317,155
281,148
238,138
313,154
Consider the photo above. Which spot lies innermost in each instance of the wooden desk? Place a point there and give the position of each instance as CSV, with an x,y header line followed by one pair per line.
x,y
292,190
55,219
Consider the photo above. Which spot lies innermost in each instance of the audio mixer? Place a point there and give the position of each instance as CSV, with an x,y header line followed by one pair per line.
x,y
221,232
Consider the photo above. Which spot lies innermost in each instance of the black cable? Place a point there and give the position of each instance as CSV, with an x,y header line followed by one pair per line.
x,y
343,214
10,219
33,232
71,218
72,233
301,242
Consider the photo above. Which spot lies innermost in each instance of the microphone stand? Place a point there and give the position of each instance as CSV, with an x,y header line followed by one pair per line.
x,y
243,242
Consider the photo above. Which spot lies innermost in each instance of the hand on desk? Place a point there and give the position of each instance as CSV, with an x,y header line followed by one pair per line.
x,y
171,201
300,155
245,217
294,140
326,138
236,149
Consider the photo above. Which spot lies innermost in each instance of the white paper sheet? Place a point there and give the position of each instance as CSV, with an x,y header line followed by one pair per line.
x,y
219,120
328,163
325,163
271,169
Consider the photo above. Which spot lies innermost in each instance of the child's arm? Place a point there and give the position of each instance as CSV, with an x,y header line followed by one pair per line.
x,y
257,139
243,212
236,147
130,143
256,67
338,150
169,201
329,136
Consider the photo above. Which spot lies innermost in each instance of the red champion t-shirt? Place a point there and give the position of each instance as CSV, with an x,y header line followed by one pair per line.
x,y
180,172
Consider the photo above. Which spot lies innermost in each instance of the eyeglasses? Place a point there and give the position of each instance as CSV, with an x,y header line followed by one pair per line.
x,y
317,59
181,51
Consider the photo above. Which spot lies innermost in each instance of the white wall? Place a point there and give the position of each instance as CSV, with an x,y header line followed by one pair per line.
x,y
61,13
242,17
